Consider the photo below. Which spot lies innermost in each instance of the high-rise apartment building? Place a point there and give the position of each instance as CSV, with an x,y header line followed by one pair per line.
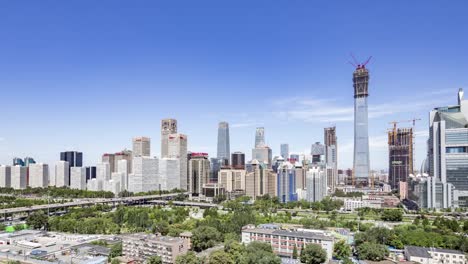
x,y
316,184
141,147
286,182
361,163
177,149
5,176
400,156
224,150
145,176
78,178
232,180
62,174
284,149
18,177
331,156
122,168
448,147
38,175
238,160
199,169
260,137
168,126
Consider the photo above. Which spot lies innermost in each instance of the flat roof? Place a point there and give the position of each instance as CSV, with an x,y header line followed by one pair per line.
x,y
279,232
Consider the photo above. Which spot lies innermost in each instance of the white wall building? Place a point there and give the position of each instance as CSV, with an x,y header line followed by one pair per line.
x,y
78,178
38,175
169,171
18,177
5,176
122,168
145,176
177,149
94,185
62,174
316,184
434,255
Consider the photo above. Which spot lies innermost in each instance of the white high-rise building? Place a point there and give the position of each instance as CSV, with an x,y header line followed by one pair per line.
x,y
169,171
122,168
177,149
18,177
5,176
38,175
145,176
316,182
78,178
141,146
103,172
62,174
94,185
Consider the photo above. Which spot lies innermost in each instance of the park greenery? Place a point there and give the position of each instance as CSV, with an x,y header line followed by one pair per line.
x,y
56,192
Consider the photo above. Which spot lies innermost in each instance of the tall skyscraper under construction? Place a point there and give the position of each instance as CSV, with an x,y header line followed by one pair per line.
x,y
400,155
361,129
331,156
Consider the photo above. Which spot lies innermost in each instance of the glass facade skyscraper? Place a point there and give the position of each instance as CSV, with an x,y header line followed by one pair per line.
x,y
224,151
361,130
285,151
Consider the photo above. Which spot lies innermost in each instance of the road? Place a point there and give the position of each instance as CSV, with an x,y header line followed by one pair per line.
x,y
91,201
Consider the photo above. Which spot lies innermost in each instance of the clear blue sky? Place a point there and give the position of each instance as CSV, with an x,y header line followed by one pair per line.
x,y
90,75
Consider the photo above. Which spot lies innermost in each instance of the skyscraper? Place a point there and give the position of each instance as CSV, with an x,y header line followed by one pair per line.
x,y
318,153
285,151
260,137
145,176
224,150
5,176
361,165
38,175
141,147
238,160
18,177
177,149
400,155
74,159
168,126
62,174
199,169
447,148
331,156
316,183
78,178
287,182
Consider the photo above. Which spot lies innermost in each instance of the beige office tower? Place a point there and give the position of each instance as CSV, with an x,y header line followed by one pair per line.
x,y
38,175
199,169
62,174
177,149
231,180
301,175
168,126
18,177
260,181
141,147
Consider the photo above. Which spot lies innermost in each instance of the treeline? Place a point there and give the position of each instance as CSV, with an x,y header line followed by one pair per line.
x,y
341,193
271,204
57,192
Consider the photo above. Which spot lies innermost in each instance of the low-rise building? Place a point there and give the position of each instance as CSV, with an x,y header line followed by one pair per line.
x,y
434,255
141,246
283,242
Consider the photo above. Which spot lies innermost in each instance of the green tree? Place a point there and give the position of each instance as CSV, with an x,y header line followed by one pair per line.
x,y
294,254
341,250
259,253
313,254
372,251
37,220
234,249
392,215
425,222
347,261
155,259
416,221
116,251
188,258
220,257
115,261
205,237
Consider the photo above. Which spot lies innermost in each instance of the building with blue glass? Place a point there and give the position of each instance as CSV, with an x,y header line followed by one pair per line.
x,y
286,182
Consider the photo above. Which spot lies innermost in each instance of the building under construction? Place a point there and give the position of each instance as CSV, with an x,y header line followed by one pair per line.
x,y
400,155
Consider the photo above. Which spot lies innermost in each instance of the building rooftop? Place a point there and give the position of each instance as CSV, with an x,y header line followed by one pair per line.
x,y
423,252
279,232
144,237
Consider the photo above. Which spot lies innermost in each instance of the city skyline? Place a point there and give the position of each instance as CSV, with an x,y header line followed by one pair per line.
x,y
78,80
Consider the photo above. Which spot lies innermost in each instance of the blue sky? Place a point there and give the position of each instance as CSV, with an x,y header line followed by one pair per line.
x,y
90,75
